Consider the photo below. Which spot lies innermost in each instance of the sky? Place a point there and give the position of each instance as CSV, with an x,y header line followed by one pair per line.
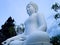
x,y
17,10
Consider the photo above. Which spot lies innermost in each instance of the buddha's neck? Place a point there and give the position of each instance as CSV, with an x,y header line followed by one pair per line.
x,y
32,14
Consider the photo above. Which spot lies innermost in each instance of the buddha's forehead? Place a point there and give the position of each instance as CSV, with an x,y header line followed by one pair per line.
x,y
29,5
32,4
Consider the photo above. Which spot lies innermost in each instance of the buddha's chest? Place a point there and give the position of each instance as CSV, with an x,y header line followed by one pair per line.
x,y
32,22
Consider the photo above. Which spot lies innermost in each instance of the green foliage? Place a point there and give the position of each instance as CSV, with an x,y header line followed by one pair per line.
x,y
59,24
2,37
8,28
22,27
12,31
57,16
55,40
56,7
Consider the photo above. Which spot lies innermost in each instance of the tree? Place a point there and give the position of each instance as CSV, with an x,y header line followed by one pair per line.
x,y
57,16
55,40
20,29
8,28
56,7
2,37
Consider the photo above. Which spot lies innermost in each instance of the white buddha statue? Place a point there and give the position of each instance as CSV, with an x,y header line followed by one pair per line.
x,y
35,29
36,21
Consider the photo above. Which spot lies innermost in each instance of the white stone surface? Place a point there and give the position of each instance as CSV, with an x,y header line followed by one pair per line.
x,y
35,29
16,42
38,38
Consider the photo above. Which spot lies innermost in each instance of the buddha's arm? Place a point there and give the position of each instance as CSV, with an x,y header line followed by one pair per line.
x,y
6,42
42,23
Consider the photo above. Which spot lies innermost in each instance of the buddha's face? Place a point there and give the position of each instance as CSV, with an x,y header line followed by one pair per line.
x,y
30,9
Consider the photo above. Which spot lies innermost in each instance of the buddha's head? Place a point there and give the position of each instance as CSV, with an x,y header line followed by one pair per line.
x,y
31,8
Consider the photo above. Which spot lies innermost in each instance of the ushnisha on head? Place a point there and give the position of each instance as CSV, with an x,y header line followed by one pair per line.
x,y
31,8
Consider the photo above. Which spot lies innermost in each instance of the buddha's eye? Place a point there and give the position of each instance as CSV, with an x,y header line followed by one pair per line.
x,y
28,7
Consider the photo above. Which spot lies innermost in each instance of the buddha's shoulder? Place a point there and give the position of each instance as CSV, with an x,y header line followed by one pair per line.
x,y
40,15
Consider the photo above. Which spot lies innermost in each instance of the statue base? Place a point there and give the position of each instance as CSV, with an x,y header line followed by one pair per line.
x,y
40,44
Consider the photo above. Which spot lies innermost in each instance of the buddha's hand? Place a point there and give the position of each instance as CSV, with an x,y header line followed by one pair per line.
x,y
6,42
19,37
